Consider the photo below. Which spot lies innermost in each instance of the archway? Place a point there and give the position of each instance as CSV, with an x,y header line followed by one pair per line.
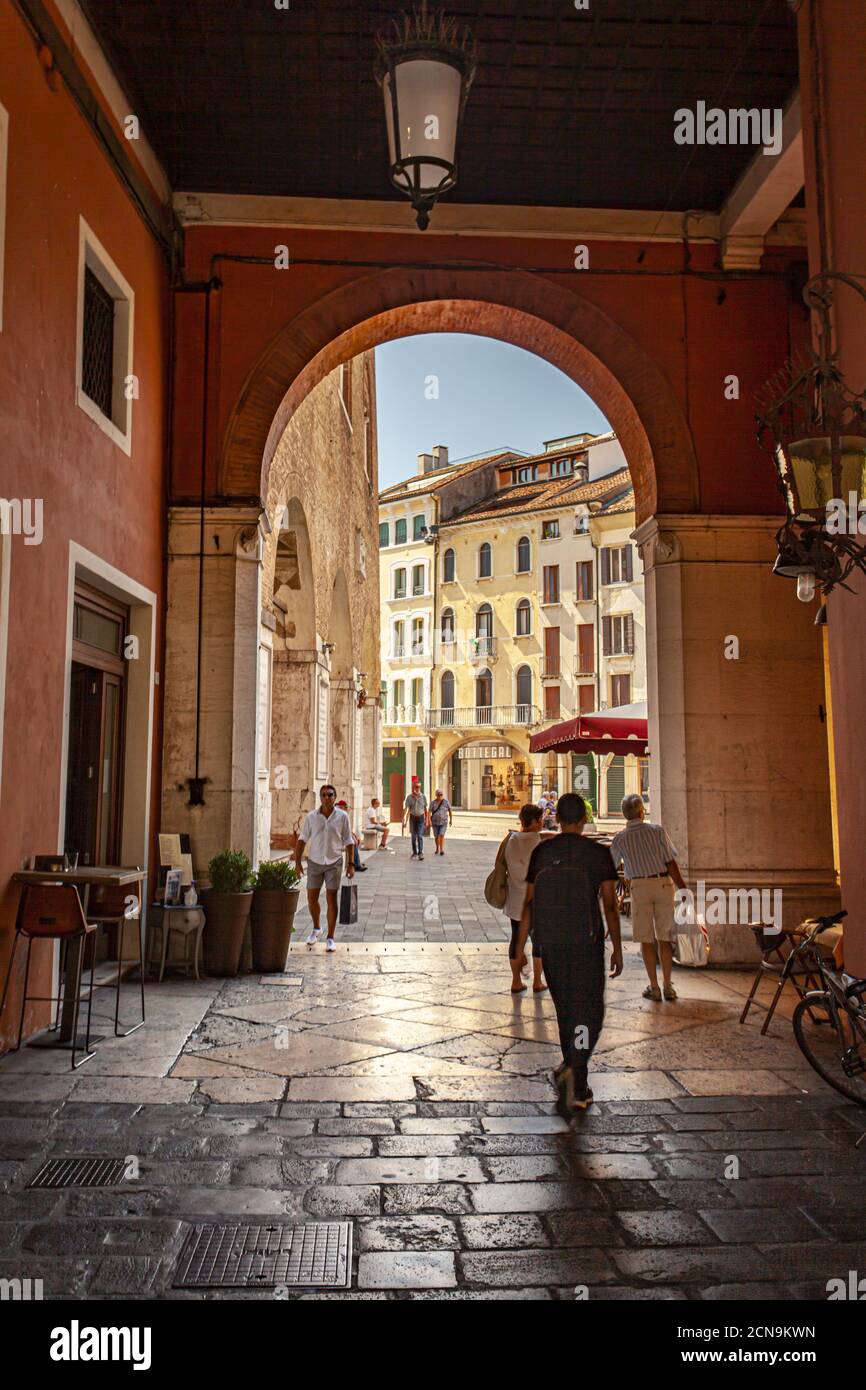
x,y
565,328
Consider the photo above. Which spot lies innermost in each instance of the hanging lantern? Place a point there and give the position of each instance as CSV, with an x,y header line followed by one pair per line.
x,y
815,427
425,70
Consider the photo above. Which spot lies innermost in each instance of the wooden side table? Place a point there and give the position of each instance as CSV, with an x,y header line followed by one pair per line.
x,y
189,923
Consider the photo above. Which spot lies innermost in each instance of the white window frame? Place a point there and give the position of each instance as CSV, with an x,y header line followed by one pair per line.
x,y
93,256
397,655
422,619
618,551
551,521
395,570
425,591
4,160
622,619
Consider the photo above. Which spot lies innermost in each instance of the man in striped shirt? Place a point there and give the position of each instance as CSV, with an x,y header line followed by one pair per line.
x,y
650,863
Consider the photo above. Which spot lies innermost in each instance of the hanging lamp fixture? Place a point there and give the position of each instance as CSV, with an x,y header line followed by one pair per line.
x,y
425,69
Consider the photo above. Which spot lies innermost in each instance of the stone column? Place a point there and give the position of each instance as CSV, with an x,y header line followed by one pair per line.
x,y
293,734
832,37
228,700
738,752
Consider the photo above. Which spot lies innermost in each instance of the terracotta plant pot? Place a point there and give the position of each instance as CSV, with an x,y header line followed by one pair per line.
x,y
273,915
226,917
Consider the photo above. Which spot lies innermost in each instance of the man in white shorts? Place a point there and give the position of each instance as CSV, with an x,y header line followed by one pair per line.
x,y
374,819
650,863
328,834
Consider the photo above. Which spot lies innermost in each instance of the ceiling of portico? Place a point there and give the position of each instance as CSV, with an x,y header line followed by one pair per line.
x,y
569,108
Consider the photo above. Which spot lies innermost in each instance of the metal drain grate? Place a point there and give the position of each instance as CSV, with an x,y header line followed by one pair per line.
x,y
318,1253
79,1172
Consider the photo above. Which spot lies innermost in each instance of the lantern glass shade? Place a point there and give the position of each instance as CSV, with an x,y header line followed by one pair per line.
x,y
429,93
810,480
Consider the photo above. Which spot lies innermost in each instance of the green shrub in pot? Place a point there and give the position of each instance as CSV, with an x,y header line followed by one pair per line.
x,y
275,901
227,903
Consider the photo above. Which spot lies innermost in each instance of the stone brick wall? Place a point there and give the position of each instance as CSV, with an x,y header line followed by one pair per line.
x,y
321,587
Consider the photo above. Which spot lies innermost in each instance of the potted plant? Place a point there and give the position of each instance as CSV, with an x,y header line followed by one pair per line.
x,y
275,900
227,904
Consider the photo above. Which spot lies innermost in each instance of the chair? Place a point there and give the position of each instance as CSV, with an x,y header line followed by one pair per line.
x,y
189,923
107,907
52,912
778,962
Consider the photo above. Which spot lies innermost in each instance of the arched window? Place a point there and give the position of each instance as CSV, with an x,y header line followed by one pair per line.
x,y
524,555
400,583
523,618
449,568
523,690
417,636
447,625
447,689
484,697
484,621
485,561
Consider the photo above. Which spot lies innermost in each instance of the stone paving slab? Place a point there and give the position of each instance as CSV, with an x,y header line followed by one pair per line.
x,y
434,1133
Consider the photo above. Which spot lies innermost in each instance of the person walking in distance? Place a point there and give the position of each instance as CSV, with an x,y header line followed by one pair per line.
x,y
328,834
518,852
440,819
565,876
415,812
650,863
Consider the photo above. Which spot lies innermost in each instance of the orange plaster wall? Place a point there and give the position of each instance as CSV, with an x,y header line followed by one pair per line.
x,y
93,493
676,322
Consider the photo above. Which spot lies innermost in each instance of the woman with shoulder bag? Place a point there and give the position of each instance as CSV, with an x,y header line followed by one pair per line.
x,y
517,854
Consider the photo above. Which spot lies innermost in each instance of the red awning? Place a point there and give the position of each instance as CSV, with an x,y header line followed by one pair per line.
x,y
621,730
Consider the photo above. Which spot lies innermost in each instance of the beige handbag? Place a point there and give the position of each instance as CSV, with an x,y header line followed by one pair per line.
x,y
496,887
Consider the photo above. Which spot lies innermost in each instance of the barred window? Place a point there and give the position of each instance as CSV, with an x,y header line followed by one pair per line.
x,y
97,359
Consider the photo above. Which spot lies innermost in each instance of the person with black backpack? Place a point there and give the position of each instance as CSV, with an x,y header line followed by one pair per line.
x,y
564,879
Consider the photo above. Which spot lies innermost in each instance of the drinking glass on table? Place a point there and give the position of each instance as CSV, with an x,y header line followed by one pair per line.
x,y
70,859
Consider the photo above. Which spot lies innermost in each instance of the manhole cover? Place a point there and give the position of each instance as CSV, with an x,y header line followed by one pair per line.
x,y
79,1172
318,1253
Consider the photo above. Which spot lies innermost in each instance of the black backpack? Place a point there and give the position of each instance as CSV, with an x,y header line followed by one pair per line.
x,y
564,905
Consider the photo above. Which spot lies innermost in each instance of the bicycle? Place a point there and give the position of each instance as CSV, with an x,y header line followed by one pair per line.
x,y
830,1022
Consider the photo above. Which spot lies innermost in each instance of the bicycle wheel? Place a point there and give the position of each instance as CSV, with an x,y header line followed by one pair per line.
x,y
823,1046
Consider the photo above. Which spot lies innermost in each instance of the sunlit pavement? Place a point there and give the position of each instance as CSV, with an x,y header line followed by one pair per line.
x,y
398,1084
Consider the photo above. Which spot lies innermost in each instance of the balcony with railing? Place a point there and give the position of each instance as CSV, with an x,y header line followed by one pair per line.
x,y
483,717
551,670
405,715
584,665
481,649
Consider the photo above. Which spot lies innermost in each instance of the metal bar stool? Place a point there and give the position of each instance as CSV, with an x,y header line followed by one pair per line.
x,y
107,907
779,963
53,912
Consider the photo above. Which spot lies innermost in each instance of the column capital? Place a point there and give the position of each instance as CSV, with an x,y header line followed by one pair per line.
x,y
705,539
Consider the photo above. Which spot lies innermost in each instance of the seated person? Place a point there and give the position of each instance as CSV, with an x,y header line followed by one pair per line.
x,y
374,819
359,867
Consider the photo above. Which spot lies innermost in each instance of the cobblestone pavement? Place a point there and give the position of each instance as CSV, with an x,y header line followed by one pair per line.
x,y
400,1086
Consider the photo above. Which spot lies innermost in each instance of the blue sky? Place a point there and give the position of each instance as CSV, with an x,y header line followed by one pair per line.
x,y
491,396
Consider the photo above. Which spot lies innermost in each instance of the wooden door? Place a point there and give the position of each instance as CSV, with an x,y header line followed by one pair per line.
x,y
396,795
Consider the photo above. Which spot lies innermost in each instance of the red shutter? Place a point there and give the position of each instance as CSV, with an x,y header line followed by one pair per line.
x,y
629,635
607,645
605,565
585,644
586,696
587,579
551,701
551,651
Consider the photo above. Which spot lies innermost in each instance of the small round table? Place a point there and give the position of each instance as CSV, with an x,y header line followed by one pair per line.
x,y
189,923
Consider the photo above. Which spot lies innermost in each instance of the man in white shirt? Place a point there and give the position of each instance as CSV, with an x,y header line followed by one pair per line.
x,y
374,820
650,863
328,834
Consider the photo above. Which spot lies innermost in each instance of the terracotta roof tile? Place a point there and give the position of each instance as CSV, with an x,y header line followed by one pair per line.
x,y
543,496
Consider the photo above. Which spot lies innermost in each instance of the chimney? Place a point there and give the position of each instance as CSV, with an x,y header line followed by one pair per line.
x,y
440,455
425,464
581,469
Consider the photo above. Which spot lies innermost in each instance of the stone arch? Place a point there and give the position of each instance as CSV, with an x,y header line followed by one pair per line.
x,y
518,307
